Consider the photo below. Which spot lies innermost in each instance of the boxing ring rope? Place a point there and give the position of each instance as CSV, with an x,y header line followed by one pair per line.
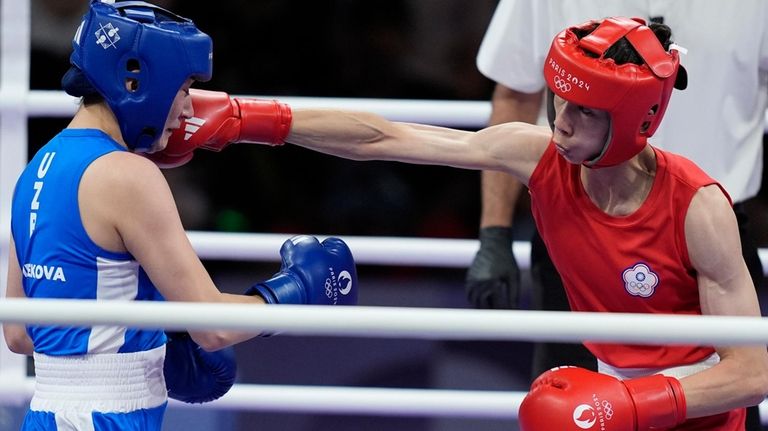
x,y
393,322
337,400
395,251
367,250
431,252
452,113
449,113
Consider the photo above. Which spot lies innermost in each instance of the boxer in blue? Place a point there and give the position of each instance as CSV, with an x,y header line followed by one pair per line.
x,y
94,219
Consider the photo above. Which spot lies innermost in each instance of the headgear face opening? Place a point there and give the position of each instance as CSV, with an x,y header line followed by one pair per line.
x,y
635,96
137,56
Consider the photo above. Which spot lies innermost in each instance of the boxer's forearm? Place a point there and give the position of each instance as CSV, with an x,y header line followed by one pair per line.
x,y
367,136
353,135
738,380
17,339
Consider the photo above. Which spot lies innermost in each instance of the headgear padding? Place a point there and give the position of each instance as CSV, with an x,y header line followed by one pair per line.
x,y
635,96
137,56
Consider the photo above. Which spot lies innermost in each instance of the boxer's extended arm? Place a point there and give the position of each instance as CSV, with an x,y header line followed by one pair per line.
x,y
220,120
514,148
15,334
725,288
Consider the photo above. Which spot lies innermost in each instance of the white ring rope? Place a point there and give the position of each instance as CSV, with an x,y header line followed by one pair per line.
x,y
336,400
396,322
341,400
457,113
367,250
431,252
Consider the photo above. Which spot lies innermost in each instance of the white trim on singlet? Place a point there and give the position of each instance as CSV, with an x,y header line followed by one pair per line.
x,y
117,280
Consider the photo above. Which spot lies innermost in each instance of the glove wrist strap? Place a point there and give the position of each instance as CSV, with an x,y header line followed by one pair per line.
x,y
659,401
264,121
280,289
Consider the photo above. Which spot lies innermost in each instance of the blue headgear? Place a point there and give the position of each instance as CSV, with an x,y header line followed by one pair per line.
x,y
136,56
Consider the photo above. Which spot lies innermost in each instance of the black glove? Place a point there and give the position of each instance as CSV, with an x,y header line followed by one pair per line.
x,y
493,279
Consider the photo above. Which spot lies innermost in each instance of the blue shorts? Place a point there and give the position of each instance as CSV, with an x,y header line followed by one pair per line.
x,y
138,420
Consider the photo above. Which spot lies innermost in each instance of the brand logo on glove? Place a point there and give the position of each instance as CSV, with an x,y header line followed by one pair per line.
x,y
192,125
639,280
345,281
584,416
334,285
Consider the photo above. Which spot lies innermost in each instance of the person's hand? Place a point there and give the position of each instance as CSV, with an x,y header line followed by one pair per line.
x,y
220,120
493,279
575,399
312,273
193,375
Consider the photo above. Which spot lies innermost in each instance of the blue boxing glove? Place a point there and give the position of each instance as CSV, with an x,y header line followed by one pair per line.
x,y
194,375
312,273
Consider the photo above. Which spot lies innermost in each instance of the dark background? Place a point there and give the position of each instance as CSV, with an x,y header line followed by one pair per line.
x,y
373,49
401,49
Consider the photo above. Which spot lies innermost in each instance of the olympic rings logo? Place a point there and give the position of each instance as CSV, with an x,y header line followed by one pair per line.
x,y
607,409
328,288
561,84
640,280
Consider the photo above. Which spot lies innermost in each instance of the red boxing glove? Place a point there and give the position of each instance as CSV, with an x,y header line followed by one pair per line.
x,y
575,399
168,161
220,120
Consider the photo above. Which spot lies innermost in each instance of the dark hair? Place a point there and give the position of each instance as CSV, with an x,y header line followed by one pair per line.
x,y
76,84
622,51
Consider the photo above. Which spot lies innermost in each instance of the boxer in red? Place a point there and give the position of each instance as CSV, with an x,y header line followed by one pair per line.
x,y
630,228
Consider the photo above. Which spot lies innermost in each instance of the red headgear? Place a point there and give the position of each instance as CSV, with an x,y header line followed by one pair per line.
x,y
635,96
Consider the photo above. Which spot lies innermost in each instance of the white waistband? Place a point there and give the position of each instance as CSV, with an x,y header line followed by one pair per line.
x,y
678,372
115,382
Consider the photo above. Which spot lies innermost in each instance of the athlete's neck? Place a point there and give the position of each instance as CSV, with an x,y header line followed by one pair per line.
x,y
620,190
97,116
